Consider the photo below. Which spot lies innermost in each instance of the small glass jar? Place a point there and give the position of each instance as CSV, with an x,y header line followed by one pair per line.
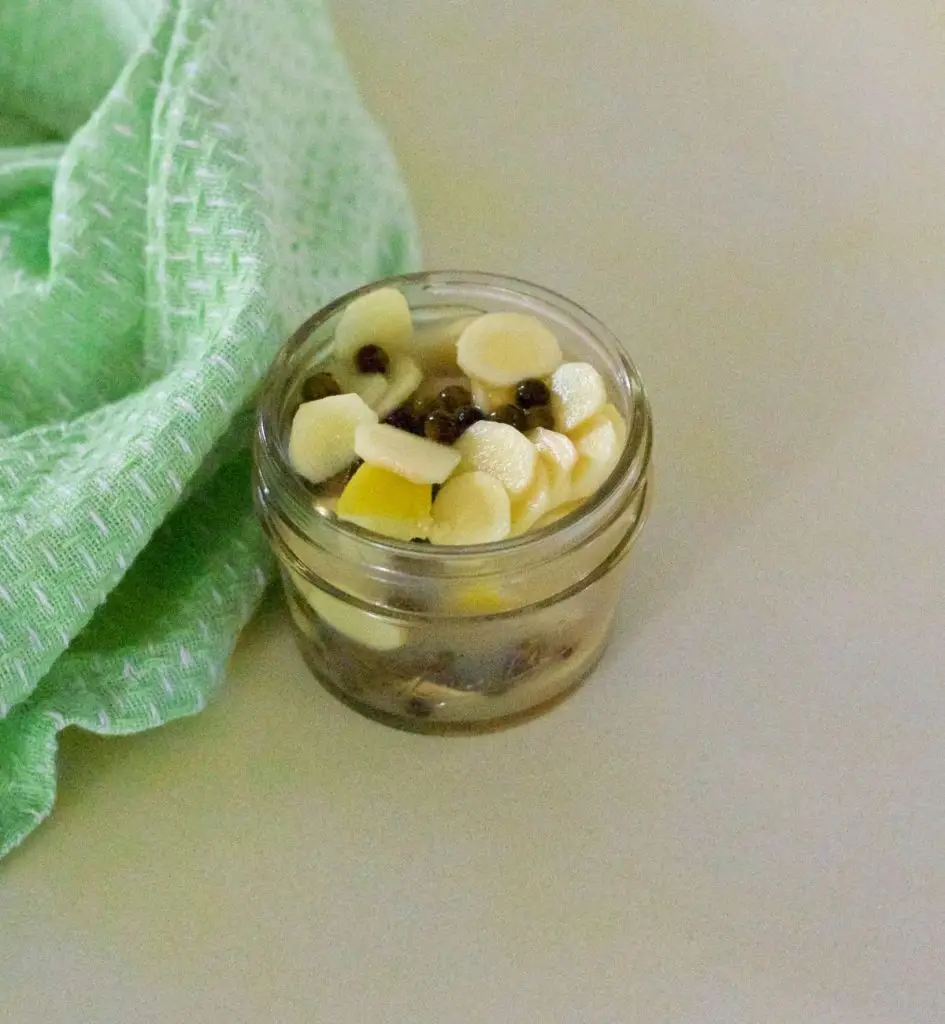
x,y
453,639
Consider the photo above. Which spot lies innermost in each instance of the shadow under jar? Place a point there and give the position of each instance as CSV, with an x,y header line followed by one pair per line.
x,y
443,639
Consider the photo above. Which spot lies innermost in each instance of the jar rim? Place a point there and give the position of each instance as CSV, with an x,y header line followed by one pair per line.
x,y
273,473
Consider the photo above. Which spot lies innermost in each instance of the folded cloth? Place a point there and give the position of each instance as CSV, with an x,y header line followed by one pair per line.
x,y
183,182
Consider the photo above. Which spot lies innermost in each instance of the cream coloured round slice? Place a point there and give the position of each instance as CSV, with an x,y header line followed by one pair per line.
x,y
598,449
321,438
381,317
502,452
362,627
404,378
502,349
415,458
534,503
471,508
559,455
578,392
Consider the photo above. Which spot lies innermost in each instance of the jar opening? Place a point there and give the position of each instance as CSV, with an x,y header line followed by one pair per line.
x,y
427,293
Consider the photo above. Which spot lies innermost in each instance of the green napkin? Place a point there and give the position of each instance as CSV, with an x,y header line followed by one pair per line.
x,y
183,182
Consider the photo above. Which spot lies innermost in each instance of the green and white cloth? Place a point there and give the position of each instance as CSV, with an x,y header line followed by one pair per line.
x,y
182,182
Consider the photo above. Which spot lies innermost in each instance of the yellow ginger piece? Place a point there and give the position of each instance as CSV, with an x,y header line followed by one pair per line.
x,y
480,599
386,503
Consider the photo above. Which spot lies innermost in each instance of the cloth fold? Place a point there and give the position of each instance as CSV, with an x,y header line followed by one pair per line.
x,y
184,181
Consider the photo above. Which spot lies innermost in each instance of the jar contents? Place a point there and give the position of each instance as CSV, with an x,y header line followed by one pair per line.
x,y
474,432
402,438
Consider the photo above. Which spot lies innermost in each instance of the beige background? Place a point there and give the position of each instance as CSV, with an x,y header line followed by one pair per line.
x,y
742,818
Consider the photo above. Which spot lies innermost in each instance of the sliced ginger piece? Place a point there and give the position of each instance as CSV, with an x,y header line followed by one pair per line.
x,y
403,379
418,459
534,503
502,452
472,508
578,392
382,501
502,349
321,438
598,448
481,599
559,455
381,317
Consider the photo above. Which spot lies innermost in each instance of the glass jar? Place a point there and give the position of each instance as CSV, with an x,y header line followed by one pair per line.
x,y
453,639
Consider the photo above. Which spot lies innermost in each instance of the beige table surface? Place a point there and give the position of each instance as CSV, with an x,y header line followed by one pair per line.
x,y
742,818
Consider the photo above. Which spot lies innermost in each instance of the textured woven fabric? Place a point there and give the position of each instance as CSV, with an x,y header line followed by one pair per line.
x,y
181,183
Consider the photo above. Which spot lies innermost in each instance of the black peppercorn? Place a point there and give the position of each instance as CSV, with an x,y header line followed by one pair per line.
x,y
419,707
442,427
526,657
403,418
510,414
372,359
540,416
532,392
467,415
453,397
